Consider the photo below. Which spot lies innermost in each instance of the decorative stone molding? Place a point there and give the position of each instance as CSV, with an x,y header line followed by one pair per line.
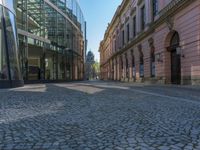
x,y
127,19
170,23
132,11
171,5
139,2
140,49
132,52
180,4
151,45
151,42
121,26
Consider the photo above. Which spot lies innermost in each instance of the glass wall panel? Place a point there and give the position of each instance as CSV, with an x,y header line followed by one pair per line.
x,y
61,66
35,60
10,4
54,57
3,62
50,69
11,36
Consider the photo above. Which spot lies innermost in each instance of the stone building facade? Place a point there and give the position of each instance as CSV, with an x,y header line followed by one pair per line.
x,y
156,41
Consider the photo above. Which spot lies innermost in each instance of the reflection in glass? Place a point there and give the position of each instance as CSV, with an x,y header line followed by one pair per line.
x,y
12,45
50,52
3,62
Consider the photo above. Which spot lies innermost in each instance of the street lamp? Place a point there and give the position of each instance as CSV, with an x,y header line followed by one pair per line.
x,y
179,51
158,57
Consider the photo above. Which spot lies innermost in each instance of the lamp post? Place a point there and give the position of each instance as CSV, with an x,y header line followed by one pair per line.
x,y
179,51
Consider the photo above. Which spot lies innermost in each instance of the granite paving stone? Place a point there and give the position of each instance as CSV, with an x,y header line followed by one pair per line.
x,y
98,115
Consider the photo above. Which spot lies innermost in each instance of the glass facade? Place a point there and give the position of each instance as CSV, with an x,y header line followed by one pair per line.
x,y
10,73
51,39
3,56
41,40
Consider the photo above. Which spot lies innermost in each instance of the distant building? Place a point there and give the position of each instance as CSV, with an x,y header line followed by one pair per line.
x,y
90,57
155,41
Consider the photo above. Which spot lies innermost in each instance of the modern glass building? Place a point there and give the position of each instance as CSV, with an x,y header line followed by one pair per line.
x,y
51,39
51,43
10,74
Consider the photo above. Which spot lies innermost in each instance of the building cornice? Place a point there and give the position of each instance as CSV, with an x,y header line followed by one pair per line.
x,y
133,10
117,15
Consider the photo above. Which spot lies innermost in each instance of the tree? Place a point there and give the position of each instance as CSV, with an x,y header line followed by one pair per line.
x,y
96,69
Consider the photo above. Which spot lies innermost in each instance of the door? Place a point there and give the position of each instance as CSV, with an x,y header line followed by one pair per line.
x,y
175,68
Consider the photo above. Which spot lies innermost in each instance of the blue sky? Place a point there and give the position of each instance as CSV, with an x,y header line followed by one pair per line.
x,y
97,13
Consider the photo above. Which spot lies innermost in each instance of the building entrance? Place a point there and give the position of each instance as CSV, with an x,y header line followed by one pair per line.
x,y
175,68
175,60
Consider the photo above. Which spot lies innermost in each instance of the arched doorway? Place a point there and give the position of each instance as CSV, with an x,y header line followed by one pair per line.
x,y
153,68
133,66
141,64
121,68
175,59
113,73
152,58
127,66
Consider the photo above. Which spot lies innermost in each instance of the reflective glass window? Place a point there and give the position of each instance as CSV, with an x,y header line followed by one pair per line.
x,y
123,38
3,62
153,69
11,36
128,32
134,26
133,65
141,65
155,7
143,17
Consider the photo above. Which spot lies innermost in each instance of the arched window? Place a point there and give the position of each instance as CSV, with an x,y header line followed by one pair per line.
x,y
152,57
175,40
127,66
133,64
122,67
141,64
113,69
153,72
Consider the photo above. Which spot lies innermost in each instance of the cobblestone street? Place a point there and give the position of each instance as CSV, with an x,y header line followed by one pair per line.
x,y
100,116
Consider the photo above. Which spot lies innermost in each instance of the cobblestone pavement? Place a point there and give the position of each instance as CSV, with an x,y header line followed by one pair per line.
x,y
99,116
